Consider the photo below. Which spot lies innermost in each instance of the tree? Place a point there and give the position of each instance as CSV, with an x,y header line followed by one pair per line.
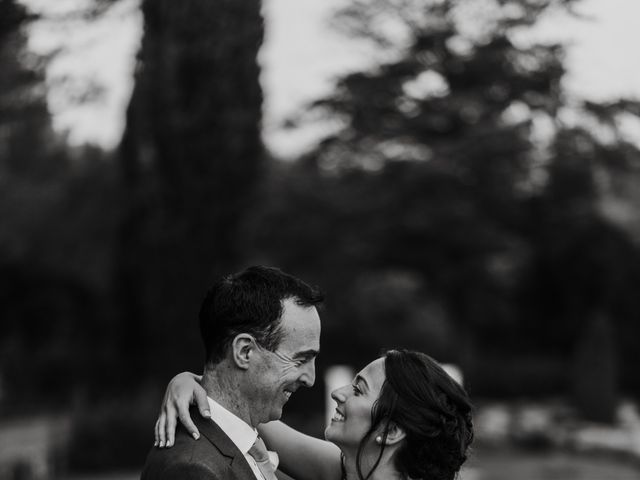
x,y
190,160
441,172
442,160
595,393
54,239
27,143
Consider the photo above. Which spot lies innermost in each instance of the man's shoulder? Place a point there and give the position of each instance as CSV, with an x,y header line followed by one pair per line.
x,y
181,470
187,458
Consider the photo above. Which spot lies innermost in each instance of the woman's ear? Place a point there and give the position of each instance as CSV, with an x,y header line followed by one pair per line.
x,y
395,434
242,348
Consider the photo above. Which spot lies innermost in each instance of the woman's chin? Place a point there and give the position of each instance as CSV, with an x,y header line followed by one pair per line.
x,y
331,435
327,433
334,434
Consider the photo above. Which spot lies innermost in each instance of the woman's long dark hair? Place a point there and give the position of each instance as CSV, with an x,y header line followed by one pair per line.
x,y
431,408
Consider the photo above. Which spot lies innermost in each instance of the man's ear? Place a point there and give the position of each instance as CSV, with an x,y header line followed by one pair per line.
x,y
395,435
242,348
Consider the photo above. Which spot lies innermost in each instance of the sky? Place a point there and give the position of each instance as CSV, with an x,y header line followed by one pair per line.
x,y
300,58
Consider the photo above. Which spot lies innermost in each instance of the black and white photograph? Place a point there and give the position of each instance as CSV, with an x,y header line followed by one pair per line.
x,y
319,240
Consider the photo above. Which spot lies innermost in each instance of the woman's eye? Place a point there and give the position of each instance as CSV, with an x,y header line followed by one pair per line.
x,y
356,390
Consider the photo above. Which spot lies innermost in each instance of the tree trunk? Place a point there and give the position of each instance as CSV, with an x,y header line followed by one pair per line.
x,y
191,158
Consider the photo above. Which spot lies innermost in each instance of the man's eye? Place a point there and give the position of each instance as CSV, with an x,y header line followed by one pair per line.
x,y
356,390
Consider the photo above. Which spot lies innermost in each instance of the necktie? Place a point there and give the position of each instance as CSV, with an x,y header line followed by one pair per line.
x,y
259,453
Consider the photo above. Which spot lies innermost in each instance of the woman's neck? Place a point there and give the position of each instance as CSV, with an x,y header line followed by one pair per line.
x,y
385,470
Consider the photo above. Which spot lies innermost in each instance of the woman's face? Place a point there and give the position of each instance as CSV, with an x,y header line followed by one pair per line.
x,y
352,417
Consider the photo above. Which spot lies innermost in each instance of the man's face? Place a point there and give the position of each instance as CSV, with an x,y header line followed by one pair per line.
x,y
276,375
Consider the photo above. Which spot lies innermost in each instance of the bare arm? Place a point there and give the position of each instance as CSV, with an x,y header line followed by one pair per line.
x,y
183,390
301,456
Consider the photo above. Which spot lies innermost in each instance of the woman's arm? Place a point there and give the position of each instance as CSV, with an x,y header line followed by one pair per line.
x,y
301,456
183,390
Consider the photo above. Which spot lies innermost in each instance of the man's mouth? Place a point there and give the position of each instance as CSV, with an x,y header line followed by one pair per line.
x,y
337,416
287,394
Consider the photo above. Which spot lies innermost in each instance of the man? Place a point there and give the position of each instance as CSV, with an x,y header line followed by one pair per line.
x,y
261,333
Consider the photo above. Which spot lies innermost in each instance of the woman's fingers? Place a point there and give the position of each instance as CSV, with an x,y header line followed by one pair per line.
x,y
156,435
182,391
160,427
200,395
185,419
170,426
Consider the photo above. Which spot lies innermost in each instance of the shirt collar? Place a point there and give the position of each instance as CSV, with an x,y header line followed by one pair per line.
x,y
239,431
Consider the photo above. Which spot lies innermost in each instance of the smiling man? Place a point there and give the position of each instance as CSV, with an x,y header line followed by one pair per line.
x,y
261,333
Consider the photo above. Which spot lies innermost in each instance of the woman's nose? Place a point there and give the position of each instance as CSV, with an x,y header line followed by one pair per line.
x,y
339,394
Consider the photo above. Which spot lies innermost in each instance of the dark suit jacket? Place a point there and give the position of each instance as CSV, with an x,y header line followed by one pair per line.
x,y
213,457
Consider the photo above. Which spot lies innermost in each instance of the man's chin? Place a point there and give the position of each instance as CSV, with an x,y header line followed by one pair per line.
x,y
275,415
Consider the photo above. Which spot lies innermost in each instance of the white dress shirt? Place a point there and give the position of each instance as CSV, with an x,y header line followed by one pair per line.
x,y
241,434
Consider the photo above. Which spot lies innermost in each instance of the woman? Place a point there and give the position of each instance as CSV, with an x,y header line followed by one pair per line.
x,y
402,417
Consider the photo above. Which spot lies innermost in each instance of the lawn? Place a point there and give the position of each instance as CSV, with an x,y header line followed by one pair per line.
x,y
516,465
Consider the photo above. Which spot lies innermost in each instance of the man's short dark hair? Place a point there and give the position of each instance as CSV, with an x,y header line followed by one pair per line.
x,y
250,301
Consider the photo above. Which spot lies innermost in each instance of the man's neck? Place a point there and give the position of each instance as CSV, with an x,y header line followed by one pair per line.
x,y
223,387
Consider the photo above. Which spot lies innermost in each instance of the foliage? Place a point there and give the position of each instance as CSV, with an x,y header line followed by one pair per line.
x,y
443,173
457,211
27,149
113,434
595,393
58,208
190,159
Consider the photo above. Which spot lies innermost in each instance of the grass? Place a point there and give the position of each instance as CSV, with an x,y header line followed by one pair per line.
x,y
507,464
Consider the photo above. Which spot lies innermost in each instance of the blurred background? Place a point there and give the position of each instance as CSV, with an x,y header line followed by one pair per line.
x,y
459,176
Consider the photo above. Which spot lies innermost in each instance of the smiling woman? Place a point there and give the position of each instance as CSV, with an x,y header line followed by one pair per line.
x,y
352,419
402,416
406,403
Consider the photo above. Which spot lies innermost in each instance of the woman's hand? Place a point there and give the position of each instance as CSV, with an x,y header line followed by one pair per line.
x,y
182,391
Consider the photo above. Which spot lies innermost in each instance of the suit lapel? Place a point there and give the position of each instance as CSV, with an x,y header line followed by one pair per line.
x,y
238,465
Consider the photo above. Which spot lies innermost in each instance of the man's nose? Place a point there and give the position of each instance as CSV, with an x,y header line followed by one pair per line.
x,y
308,377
